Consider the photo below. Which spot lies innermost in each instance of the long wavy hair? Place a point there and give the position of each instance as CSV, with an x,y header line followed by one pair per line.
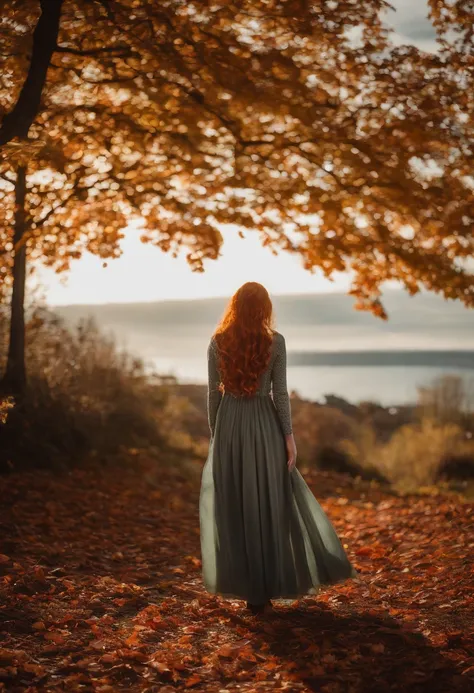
x,y
244,338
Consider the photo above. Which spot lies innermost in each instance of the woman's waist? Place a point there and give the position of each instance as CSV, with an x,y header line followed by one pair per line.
x,y
244,397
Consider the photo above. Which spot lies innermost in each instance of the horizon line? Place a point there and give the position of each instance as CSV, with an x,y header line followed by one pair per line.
x,y
193,299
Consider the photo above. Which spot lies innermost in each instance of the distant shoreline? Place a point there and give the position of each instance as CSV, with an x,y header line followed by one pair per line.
x,y
403,357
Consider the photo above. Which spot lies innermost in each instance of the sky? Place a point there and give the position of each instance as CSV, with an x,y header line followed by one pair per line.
x,y
144,273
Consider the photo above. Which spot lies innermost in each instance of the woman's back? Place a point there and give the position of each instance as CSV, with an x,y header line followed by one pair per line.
x,y
272,381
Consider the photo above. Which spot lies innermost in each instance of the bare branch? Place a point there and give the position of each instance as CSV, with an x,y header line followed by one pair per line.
x,y
116,51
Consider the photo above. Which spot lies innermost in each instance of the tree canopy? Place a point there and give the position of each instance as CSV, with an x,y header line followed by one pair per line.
x,y
297,120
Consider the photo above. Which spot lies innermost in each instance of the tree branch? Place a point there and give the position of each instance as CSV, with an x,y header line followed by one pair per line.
x,y
123,51
4,177
17,123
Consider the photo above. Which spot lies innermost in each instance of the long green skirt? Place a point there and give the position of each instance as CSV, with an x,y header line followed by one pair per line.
x,y
263,533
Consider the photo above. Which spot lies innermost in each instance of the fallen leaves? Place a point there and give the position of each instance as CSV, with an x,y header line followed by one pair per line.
x,y
107,595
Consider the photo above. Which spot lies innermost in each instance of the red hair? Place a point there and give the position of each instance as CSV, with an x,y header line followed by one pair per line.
x,y
244,338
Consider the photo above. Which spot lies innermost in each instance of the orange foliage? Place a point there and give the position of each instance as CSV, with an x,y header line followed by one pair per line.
x,y
350,152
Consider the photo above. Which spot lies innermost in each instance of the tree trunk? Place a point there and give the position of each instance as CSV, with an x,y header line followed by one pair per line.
x,y
45,37
14,380
17,124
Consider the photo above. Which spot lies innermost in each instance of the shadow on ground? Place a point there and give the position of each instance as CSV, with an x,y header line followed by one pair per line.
x,y
329,651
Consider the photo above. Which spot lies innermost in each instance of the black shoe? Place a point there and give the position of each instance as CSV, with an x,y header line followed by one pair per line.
x,y
257,608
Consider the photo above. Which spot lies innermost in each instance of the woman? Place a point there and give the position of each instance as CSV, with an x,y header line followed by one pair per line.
x,y
263,534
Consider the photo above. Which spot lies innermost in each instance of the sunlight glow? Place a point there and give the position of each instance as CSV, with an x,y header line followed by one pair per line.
x,y
144,273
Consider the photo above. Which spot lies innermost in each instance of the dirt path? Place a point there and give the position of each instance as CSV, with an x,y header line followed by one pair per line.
x,y
101,591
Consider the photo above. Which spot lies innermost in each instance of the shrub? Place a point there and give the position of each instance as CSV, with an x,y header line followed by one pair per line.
x,y
458,463
415,454
330,439
83,394
318,429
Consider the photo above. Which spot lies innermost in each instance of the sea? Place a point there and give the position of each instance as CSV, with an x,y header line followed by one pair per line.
x,y
388,386
332,349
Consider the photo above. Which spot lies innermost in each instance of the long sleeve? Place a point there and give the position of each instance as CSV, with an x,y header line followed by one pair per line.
x,y
214,395
281,398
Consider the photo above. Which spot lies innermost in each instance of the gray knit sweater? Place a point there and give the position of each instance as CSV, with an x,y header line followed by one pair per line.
x,y
272,381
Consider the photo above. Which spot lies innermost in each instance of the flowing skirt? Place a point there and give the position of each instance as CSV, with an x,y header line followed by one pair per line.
x,y
263,533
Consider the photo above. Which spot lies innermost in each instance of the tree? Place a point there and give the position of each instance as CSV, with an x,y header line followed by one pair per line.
x,y
17,123
295,119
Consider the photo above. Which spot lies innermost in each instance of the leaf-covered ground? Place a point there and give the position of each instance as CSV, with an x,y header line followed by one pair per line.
x,y
101,591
